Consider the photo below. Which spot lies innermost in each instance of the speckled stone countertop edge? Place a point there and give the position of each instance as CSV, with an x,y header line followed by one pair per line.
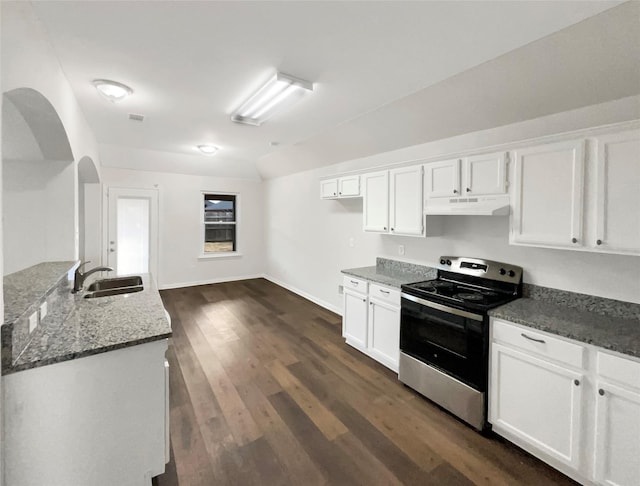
x,y
372,274
82,354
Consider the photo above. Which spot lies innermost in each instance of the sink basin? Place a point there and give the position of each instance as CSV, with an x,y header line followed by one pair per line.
x,y
115,283
110,292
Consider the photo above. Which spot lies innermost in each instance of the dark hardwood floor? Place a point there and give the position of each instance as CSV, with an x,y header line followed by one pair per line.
x,y
264,391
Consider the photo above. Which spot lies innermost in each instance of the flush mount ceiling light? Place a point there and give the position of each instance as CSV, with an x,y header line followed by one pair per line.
x,y
208,149
112,90
279,91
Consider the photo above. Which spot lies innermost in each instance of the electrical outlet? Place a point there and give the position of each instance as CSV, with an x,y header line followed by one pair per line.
x,y
340,289
352,242
43,310
33,322
400,250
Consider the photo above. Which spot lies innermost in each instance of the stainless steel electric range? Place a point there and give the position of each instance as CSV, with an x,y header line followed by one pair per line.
x,y
444,333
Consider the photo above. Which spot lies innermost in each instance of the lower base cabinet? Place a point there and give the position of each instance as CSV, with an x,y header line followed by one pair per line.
x,y
573,405
100,420
371,320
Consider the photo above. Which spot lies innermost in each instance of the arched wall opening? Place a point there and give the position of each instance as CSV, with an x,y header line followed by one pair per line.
x,y
38,183
89,211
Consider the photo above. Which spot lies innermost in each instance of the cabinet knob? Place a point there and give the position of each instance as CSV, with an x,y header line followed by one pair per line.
x,y
384,228
601,392
455,191
598,242
391,229
468,190
576,382
364,300
334,194
574,240
340,193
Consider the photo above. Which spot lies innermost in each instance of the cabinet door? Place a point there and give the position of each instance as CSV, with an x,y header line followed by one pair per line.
x,y
617,441
485,174
329,189
406,215
384,333
349,186
548,193
376,201
618,193
442,179
537,401
354,319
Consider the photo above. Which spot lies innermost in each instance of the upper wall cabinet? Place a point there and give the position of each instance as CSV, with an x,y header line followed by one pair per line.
x,y
393,201
479,175
551,185
548,193
341,187
618,193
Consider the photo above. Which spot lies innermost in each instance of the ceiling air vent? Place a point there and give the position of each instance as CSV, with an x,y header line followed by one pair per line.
x,y
134,117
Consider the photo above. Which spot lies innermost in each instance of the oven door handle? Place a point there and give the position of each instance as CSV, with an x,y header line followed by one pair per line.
x,y
440,307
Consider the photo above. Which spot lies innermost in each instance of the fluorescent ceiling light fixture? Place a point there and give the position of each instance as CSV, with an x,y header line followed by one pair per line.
x,y
112,90
208,149
279,91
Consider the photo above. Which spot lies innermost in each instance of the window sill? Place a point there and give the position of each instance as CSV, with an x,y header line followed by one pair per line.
x,y
213,256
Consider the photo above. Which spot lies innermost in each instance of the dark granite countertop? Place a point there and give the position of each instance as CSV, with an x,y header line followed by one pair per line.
x,y
392,272
613,332
96,326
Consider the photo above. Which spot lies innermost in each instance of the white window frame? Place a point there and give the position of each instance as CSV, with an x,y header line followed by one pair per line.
x,y
223,254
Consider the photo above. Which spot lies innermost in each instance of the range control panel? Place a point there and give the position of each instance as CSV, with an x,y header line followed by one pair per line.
x,y
482,268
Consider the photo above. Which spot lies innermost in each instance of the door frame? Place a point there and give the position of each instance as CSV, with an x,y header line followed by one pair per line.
x,y
153,194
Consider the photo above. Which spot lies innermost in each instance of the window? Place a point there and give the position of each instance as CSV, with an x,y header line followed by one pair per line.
x,y
220,223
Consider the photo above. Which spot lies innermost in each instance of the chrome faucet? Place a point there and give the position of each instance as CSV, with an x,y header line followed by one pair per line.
x,y
80,277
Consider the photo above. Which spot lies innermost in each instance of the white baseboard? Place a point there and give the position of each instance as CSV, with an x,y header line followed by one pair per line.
x,y
304,294
207,282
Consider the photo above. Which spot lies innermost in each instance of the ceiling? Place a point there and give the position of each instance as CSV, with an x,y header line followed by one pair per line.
x,y
192,63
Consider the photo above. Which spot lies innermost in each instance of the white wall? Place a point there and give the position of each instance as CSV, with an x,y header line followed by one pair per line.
x,y
307,238
180,229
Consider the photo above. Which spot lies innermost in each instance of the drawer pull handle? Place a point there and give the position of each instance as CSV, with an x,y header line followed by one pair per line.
x,y
532,339
601,392
384,291
355,282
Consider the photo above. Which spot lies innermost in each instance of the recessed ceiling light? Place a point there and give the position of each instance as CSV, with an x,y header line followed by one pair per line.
x,y
112,90
272,96
208,149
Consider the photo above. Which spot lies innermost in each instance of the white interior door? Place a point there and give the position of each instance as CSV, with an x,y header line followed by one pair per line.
x,y
132,234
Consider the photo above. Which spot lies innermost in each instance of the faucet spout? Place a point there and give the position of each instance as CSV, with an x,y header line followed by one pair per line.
x,y
80,277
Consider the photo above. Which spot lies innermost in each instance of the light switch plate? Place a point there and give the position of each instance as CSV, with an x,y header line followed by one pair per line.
x,y
33,322
352,242
43,310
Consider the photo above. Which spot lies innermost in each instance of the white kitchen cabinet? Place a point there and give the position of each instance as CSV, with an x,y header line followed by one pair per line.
x,y
371,320
405,201
442,179
477,175
617,431
354,319
537,401
548,195
98,420
340,187
376,201
617,217
384,332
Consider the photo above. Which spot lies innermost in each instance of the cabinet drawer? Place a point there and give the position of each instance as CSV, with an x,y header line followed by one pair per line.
x,y
539,343
621,370
355,283
386,294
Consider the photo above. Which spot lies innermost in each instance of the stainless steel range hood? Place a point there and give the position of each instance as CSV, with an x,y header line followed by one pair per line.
x,y
476,206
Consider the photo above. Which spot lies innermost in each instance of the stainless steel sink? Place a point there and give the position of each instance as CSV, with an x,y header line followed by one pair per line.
x,y
115,283
114,286
110,292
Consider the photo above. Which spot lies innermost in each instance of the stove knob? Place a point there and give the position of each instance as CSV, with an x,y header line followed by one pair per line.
x,y
502,271
449,262
512,273
443,261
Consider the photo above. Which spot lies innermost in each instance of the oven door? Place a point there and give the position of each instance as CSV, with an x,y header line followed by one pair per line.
x,y
453,340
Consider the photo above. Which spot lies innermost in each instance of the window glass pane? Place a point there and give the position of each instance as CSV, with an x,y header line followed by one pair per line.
x,y
218,207
219,237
